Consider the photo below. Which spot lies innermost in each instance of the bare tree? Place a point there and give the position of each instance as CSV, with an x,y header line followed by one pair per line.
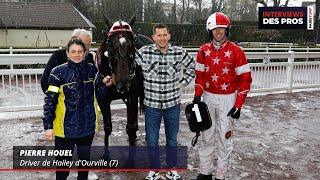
x,y
216,5
187,10
184,8
182,11
154,12
247,10
276,3
198,4
174,11
261,2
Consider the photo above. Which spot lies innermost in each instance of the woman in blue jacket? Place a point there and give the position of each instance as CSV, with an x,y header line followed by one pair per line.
x,y
70,113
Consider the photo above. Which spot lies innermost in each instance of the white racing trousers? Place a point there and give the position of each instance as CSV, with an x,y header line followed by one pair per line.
x,y
219,134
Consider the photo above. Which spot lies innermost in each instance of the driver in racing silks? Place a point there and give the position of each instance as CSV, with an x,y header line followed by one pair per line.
x,y
223,79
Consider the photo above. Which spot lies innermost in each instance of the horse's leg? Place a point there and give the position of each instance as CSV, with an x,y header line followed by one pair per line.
x,y
132,118
104,105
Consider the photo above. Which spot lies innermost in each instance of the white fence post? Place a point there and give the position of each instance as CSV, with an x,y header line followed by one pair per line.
x,y
307,51
290,72
11,52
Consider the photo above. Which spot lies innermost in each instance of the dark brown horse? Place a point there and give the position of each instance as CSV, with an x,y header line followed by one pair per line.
x,y
116,58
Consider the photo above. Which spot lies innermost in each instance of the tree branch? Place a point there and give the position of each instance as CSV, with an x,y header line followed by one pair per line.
x,y
286,4
261,2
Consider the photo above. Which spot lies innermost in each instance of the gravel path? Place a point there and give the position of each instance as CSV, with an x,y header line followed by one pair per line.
x,y
277,137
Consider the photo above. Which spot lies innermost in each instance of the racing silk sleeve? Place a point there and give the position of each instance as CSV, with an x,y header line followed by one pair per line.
x,y
51,99
188,63
244,78
200,73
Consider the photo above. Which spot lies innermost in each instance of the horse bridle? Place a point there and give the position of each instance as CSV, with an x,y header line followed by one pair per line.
x,y
132,69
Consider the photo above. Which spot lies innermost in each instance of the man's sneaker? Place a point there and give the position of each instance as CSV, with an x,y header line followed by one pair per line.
x,y
220,176
153,175
204,177
92,176
173,175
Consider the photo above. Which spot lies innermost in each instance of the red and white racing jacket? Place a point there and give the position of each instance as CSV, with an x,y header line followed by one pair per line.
x,y
223,71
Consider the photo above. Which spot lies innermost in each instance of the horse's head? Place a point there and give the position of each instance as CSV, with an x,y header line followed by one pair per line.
x,y
119,53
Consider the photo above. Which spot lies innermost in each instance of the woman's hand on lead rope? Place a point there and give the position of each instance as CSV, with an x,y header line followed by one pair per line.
x,y
107,80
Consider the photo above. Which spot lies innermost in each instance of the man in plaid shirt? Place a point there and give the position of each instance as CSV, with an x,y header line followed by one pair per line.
x,y
165,69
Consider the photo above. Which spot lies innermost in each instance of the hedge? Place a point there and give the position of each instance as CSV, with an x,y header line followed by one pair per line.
x,y
241,31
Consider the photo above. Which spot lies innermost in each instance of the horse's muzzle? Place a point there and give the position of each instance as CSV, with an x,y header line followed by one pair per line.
x,y
122,87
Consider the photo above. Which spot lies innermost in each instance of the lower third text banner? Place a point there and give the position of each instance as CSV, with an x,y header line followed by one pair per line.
x,y
100,157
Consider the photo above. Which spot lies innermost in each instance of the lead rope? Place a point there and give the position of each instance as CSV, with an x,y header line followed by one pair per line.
x,y
195,138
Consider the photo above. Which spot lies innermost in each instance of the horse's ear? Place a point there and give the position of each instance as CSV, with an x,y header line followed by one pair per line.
x,y
132,20
107,21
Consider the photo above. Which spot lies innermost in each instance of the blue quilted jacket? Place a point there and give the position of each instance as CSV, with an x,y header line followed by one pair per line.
x,y
70,107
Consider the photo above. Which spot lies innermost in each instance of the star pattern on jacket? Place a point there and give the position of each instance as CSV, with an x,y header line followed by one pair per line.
x,y
225,70
216,60
207,52
229,72
214,77
207,68
224,86
227,54
207,85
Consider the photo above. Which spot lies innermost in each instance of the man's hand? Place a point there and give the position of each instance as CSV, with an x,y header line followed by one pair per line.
x,y
48,134
107,80
234,113
196,99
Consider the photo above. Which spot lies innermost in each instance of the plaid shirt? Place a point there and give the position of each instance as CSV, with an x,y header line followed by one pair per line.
x,y
164,73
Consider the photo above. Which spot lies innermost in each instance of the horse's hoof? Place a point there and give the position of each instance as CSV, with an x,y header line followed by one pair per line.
x,y
132,142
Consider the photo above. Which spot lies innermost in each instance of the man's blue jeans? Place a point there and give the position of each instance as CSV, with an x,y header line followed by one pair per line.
x,y
171,118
